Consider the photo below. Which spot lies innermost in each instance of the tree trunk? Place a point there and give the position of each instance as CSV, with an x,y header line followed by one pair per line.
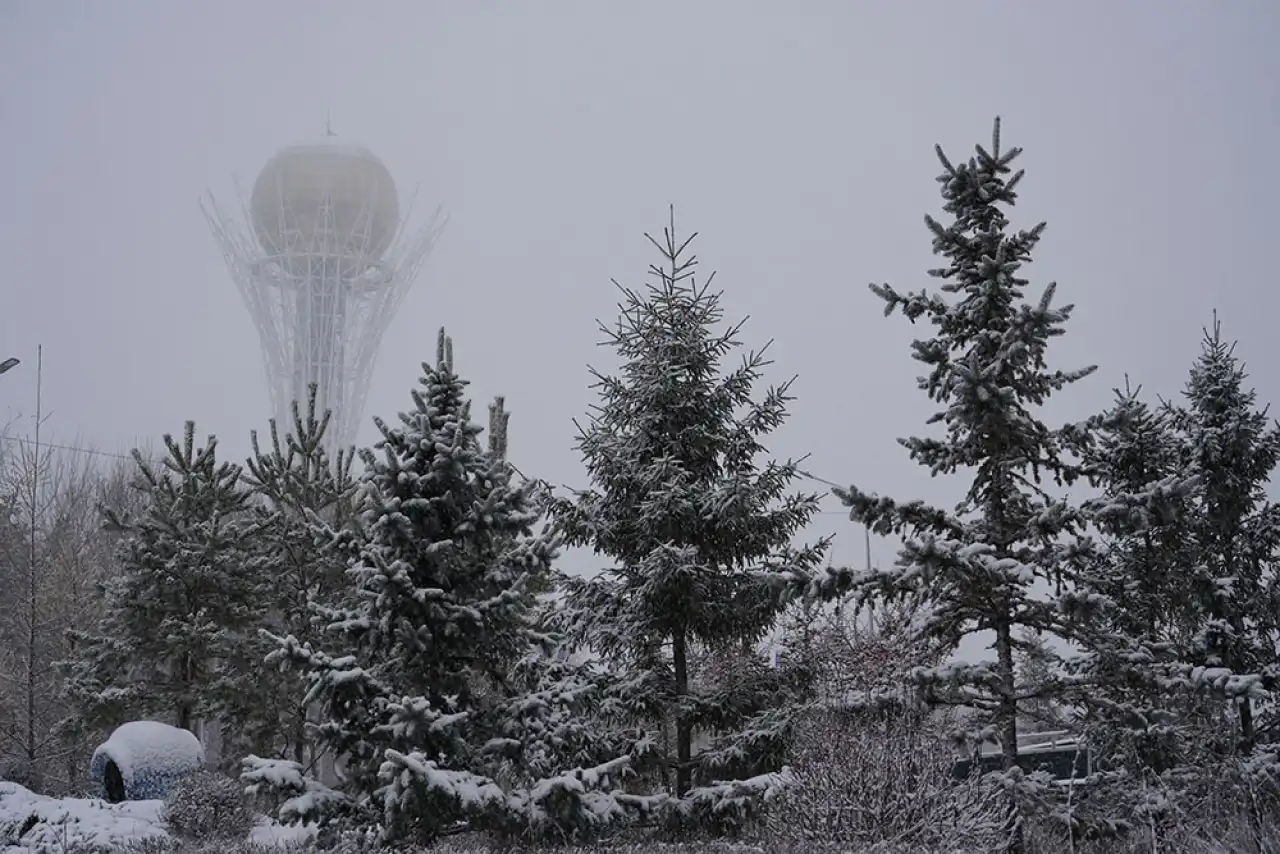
x,y
684,731
1008,717
1246,724
1233,657
186,718
1236,661
1008,702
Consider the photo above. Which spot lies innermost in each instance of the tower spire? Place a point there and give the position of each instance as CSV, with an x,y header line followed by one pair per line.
x,y
328,122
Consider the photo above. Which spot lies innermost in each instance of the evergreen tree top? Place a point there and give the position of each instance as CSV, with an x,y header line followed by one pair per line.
x,y
1229,432
295,468
447,558
680,498
1232,444
1133,441
1217,381
188,486
987,353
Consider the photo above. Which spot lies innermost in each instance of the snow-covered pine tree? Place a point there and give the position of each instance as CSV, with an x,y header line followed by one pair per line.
x,y
1137,461
299,486
699,531
173,640
983,566
1233,448
417,696
1133,662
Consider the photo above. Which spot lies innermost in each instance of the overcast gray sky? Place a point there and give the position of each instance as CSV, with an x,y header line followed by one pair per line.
x,y
796,137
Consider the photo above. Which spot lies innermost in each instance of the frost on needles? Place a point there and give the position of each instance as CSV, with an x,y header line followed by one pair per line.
x,y
1232,446
299,485
1182,664
174,637
996,562
1133,664
698,533
439,693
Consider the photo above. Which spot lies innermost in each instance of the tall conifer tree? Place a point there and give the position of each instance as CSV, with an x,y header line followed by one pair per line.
x,y
298,486
982,565
1142,569
1233,447
175,638
435,697
697,528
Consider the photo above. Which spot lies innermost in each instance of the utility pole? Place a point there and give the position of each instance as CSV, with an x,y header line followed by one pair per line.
x,y
33,582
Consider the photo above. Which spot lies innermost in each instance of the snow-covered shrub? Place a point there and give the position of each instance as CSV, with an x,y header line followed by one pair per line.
x,y
37,824
163,845
282,788
864,779
577,805
208,805
351,840
20,771
723,807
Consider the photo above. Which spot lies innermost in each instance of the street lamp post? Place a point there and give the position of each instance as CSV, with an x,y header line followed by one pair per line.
x,y
9,364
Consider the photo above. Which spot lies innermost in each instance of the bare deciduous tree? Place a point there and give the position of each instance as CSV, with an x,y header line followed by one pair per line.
x,y
53,555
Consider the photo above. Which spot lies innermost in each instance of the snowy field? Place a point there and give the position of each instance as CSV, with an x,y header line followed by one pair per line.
x,y
35,824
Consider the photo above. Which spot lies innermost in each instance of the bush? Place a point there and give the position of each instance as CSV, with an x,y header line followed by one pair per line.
x,y
876,778
22,772
208,805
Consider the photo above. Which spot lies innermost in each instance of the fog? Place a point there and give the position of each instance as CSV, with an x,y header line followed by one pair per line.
x,y
796,138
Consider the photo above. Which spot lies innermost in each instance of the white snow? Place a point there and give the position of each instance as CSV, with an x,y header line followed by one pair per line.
x,y
269,774
292,836
157,747
69,823
72,821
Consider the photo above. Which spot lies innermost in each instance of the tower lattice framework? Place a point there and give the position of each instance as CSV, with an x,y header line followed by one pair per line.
x,y
323,263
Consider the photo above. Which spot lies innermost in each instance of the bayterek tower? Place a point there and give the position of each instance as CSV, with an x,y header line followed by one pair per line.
x,y
320,255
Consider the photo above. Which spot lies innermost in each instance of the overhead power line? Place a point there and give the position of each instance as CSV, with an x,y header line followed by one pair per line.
x,y
94,452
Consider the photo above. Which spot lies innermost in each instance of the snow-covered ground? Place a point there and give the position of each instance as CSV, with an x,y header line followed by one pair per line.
x,y
35,824
292,837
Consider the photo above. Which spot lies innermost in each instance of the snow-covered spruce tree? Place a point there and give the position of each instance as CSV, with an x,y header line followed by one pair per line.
x,y
299,486
982,566
1137,460
1134,661
173,643
698,530
1233,448
417,697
